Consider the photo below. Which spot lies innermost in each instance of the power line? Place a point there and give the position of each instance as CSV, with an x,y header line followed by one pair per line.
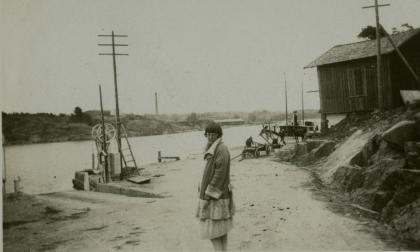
x,y
378,53
117,110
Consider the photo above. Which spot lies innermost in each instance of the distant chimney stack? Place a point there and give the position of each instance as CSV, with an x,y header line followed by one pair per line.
x,y
156,104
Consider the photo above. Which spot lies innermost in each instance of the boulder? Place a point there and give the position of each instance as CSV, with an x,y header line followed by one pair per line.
x,y
417,120
373,199
381,199
286,152
407,194
316,149
407,220
304,148
307,160
417,117
407,191
301,149
358,160
401,132
313,144
348,178
383,174
412,154
324,149
386,150
369,149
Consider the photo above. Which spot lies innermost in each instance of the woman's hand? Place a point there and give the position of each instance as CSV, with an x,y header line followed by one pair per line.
x,y
206,197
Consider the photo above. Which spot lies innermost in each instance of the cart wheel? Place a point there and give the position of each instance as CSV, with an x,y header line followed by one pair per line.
x,y
256,153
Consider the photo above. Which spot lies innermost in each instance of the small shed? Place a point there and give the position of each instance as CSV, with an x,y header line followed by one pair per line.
x,y
347,74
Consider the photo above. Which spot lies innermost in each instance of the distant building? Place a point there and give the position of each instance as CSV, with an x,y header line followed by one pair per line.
x,y
94,113
347,73
230,121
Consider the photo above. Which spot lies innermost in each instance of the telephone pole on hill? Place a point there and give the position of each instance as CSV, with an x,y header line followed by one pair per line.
x,y
378,54
117,110
285,93
303,109
156,104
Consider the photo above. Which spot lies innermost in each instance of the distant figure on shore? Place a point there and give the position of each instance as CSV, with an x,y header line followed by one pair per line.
x,y
282,134
295,118
249,142
216,208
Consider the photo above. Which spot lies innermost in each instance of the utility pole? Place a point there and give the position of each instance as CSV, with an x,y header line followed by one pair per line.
x,y
413,73
378,54
285,93
117,110
4,165
104,144
303,110
156,104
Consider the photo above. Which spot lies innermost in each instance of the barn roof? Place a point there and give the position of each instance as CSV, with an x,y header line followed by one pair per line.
x,y
363,49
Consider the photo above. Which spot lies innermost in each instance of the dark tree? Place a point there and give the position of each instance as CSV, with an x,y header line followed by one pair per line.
x,y
369,32
192,118
79,116
78,112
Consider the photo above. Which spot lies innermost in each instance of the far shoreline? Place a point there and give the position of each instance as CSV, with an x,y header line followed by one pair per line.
x,y
23,143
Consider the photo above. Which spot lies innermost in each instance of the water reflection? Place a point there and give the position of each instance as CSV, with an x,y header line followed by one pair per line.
x,y
50,167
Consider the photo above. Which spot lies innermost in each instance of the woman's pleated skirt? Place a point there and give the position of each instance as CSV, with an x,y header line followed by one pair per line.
x,y
211,229
216,217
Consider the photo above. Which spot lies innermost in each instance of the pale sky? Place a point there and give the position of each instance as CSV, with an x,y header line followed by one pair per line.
x,y
200,56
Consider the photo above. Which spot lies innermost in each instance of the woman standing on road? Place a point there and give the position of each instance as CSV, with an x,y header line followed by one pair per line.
x,y
216,208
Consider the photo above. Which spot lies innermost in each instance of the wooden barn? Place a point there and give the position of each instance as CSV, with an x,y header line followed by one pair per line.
x,y
347,74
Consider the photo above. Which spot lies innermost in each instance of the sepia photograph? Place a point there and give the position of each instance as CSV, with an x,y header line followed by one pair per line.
x,y
210,125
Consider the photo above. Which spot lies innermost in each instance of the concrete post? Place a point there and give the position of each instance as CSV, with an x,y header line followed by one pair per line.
x,y
114,164
16,184
86,186
324,122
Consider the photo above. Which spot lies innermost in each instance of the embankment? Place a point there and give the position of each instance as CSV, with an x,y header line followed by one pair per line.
x,y
373,160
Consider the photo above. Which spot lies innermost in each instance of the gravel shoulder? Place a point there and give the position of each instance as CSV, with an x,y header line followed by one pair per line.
x,y
278,208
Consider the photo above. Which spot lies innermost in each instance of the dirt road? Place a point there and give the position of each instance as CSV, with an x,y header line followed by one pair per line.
x,y
276,210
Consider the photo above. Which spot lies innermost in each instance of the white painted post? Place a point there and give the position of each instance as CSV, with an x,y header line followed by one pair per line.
x,y
86,186
16,183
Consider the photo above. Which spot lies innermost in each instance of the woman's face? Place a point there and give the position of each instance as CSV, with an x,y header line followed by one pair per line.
x,y
211,137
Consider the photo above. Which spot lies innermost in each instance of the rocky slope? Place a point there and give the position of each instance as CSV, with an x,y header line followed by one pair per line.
x,y
373,159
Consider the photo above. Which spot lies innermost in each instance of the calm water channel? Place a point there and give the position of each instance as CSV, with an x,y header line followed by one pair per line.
x,y
50,167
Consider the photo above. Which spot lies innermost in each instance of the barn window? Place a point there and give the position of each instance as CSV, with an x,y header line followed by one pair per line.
x,y
356,82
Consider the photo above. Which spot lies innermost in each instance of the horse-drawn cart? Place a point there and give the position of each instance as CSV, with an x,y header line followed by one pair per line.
x,y
295,131
271,133
255,150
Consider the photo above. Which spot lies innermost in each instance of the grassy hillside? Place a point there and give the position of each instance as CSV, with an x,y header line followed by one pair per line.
x,y
23,128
